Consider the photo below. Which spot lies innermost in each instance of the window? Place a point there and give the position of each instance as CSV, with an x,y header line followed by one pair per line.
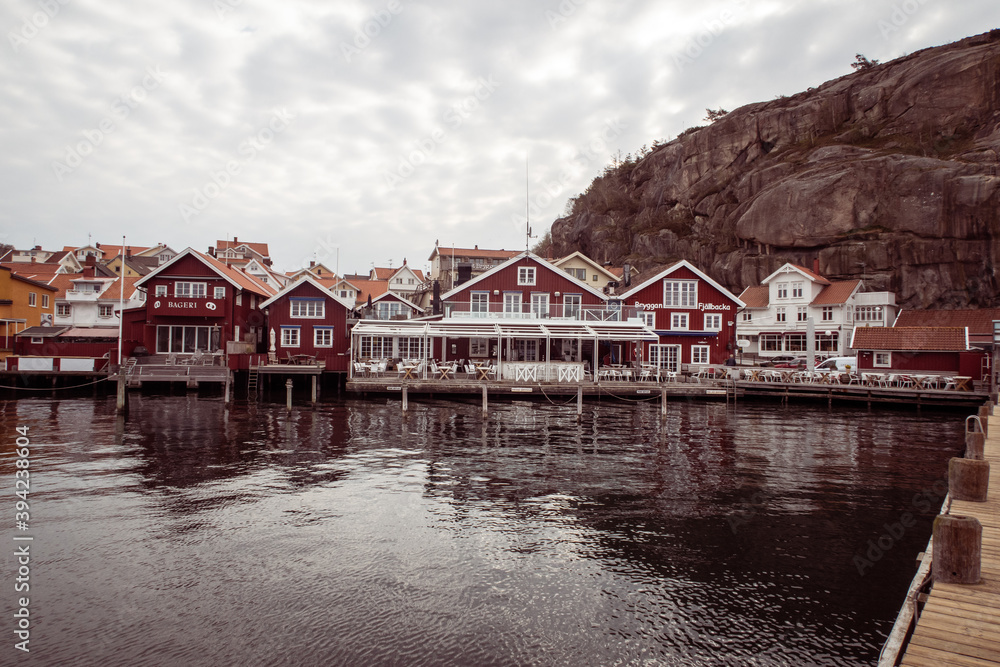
x,y
595,278
883,359
220,292
579,274
648,318
411,347
315,308
770,342
699,354
679,321
376,347
479,347
572,306
161,290
186,339
779,314
105,310
511,302
186,290
827,342
680,293
290,336
525,349
868,313
782,290
526,275
390,310
665,356
323,336
540,305
795,343
747,316
63,309
796,290
480,303
32,299
827,313
800,314
713,322
45,301
36,340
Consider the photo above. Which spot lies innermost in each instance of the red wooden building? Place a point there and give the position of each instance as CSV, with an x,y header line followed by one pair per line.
x,y
195,302
694,316
306,319
940,350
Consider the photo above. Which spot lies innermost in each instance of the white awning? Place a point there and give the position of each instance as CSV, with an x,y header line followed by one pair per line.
x,y
480,328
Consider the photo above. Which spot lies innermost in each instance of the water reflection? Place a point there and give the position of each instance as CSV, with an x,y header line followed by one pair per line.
x,y
363,536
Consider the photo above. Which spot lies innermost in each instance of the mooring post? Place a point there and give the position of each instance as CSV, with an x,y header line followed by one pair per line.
x,y
313,388
229,381
486,407
663,403
974,444
958,544
984,416
288,394
406,399
968,479
121,403
579,402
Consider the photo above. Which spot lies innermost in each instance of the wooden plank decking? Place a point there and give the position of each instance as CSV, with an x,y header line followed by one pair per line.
x,y
960,625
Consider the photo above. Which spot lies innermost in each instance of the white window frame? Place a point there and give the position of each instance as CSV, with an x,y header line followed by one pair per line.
x,y
105,310
32,299
827,314
648,318
64,309
797,290
307,309
701,354
782,290
160,290
747,316
219,292
526,275
679,321
885,362
667,357
479,302
540,304
291,336
780,315
45,301
479,347
680,293
573,306
510,299
322,336
801,314
192,289
713,322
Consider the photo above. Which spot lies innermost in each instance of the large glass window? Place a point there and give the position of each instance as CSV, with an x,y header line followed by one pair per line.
x,y
189,290
390,310
323,336
770,342
314,308
827,342
540,305
376,347
480,303
680,293
411,347
795,343
571,305
699,354
665,356
479,347
511,302
186,339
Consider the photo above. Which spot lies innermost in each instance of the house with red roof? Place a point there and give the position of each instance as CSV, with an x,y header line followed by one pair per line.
x,y
306,318
238,253
939,350
775,319
693,315
195,302
979,322
453,266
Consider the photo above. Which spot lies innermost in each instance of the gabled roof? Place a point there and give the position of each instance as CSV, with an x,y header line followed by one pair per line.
x,y
914,339
806,273
690,267
836,293
291,287
113,291
397,297
614,272
473,252
372,288
757,296
513,260
40,271
29,279
383,273
979,321
259,248
235,277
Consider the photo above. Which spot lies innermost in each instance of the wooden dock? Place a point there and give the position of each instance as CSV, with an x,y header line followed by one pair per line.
x,y
960,624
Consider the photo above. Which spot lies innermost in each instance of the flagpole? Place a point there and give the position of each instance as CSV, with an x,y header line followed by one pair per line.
x,y
121,303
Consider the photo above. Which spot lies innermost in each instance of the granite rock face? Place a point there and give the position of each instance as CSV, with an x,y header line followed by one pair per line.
x,y
887,174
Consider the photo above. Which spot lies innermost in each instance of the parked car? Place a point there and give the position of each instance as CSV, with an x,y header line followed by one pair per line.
x,y
840,364
785,361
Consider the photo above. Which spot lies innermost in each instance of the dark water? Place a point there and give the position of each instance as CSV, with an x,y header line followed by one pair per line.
x,y
346,535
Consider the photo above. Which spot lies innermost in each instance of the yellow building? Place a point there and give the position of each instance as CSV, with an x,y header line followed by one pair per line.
x,y
588,271
23,303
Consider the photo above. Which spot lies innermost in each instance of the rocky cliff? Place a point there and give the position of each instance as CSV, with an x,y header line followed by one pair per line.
x,y
888,174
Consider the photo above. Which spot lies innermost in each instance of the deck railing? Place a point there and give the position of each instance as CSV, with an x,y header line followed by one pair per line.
x,y
537,311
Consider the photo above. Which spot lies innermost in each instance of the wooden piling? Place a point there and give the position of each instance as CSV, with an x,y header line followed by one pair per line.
x,y
227,387
313,398
957,550
406,400
485,403
663,403
984,417
974,444
968,479
288,394
579,403
121,403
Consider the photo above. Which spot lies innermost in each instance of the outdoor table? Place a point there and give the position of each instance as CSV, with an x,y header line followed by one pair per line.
x,y
788,376
483,371
754,374
962,383
446,372
408,371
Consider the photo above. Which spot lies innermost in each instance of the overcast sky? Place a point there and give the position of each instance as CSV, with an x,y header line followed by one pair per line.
x,y
370,129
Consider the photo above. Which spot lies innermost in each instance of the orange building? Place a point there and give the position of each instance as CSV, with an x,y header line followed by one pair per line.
x,y
23,303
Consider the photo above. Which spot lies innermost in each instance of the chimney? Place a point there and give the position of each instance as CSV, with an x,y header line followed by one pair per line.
x,y
90,261
38,247
235,240
88,271
816,266
311,263
97,245
128,252
211,251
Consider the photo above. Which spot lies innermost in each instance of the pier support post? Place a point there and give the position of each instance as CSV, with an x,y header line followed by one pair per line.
x,y
974,444
579,403
313,398
228,386
958,543
968,479
984,416
406,400
121,403
663,403
486,408
288,394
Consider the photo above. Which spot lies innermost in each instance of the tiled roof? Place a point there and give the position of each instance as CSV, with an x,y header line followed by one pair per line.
x,y
244,280
836,293
383,273
980,322
814,276
112,251
941,339
474,252
41,271
64,282
259,248
756,297
113,293
370,287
